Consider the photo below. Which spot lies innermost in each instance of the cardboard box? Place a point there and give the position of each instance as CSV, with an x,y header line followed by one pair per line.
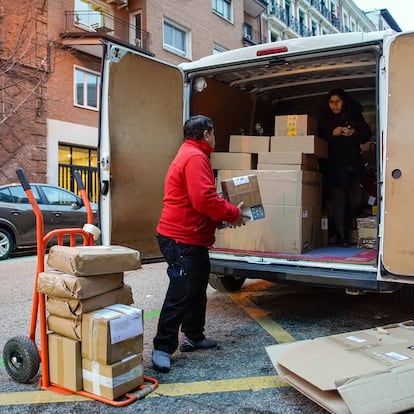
x,y
111,333
294,125
63,285
287,161
65,363
367,232
361,372
284,187
285,229
71,328
233,160
93,260
308,144
112,381
74,308
244,189
248,143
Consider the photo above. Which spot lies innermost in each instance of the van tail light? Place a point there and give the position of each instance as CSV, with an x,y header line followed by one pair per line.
x,y
272,51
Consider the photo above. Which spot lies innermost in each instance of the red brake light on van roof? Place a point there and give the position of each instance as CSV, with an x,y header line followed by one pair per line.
x,y
272,51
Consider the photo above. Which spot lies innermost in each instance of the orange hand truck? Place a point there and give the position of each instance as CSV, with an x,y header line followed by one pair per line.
x,y
21,355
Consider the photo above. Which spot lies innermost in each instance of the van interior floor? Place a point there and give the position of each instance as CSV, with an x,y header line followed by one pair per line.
x,y
333,254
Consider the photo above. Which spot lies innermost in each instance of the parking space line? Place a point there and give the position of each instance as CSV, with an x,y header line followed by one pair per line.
x,y
167,390
267,323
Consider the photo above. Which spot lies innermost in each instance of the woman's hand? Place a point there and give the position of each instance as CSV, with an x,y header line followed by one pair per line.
x,y
343,131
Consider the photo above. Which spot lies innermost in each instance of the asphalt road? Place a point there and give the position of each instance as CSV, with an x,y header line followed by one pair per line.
x,y
238,376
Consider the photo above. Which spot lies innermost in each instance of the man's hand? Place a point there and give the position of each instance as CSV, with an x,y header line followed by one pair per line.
x,y
242,219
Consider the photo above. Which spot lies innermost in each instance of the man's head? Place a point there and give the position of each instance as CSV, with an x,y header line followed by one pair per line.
x,y
200,127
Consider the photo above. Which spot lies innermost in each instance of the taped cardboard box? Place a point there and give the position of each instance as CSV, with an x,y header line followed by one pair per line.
x,y
63,285
285,187
233,160
244,189
308,144
74,308
361,372
294,125
93,260
287,160
65,362
111,333
112,381
249,143
285,229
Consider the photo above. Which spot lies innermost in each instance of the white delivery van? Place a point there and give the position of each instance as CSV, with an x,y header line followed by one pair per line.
x,y
144,103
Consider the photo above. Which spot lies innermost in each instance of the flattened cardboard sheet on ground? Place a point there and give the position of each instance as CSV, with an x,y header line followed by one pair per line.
x,y
362,372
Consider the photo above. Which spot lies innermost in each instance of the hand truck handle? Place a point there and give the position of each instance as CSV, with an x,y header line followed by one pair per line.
x,y
79,181
22,178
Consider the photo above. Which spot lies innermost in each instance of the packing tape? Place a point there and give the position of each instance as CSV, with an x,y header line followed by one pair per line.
x,y
95,231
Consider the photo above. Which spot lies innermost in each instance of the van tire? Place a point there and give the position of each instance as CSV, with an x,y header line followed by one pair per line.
x,y
406,298
225,283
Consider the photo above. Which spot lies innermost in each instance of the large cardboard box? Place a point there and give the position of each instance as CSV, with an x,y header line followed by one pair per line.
x,y
74,308
361,372
63,285
244,189
93,260
249,143
233,160
65,362
287,161
284,187
367,232
308,144
285,229
111,333
293,125
112,381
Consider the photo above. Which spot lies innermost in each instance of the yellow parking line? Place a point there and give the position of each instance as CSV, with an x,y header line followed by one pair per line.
x,y
170,390
267,323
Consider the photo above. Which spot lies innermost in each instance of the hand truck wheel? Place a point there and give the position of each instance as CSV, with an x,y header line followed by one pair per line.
x,y
21,359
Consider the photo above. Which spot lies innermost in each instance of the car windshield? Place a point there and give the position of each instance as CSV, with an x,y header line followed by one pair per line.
x,y
16,194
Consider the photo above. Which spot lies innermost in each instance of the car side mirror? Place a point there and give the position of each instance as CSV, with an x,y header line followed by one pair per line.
x,y
76,205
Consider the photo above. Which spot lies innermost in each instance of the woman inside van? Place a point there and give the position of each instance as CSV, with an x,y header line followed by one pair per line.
x,y
341,124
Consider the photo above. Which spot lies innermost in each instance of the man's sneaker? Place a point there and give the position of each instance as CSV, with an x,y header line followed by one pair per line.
x,y
161,360
188,345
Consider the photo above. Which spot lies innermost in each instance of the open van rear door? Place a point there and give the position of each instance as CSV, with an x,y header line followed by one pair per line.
x,y
398,203
141,119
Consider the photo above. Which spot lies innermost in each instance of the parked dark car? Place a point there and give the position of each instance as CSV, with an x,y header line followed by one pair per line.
x,y
61,209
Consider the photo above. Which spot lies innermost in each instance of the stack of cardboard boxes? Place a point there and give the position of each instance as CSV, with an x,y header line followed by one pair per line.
x,y
96,339
290,187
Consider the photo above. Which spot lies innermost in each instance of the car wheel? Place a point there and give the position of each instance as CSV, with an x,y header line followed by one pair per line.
x,y
225,283
21,359
6,244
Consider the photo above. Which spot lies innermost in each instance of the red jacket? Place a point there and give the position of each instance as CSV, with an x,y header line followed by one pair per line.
x,y
192,207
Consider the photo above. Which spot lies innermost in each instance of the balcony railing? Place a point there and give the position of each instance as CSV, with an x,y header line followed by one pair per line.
x,y
100,22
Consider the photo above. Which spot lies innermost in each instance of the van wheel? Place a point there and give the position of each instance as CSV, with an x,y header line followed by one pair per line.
x,y
225,283
406,298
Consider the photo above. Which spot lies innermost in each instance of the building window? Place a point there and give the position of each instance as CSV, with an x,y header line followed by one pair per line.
x,y
222,8
218,49
176,39
136,29
86,85
84,160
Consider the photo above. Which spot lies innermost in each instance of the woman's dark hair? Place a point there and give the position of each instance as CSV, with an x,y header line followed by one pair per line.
x,y
349,105
195,126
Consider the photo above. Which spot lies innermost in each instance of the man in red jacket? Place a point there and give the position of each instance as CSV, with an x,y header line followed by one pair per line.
x,y
192,209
